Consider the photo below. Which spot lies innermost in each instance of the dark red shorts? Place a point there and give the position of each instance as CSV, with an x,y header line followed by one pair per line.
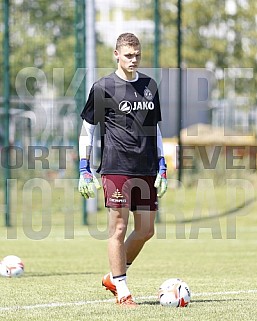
x,y
134,192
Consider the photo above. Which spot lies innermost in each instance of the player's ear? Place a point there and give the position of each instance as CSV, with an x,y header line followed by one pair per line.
x,y
116,55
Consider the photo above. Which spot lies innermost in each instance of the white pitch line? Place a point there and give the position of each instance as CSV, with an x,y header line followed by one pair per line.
x,y
80,303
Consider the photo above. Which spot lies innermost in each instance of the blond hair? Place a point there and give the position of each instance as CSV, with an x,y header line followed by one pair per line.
x,y
127,39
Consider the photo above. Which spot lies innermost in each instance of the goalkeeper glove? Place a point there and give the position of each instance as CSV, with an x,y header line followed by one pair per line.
x,y
161,179
87,180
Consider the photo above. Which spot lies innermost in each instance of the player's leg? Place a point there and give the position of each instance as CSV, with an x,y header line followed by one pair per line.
x,y
144,205
116,281
117,202
118,221
143,231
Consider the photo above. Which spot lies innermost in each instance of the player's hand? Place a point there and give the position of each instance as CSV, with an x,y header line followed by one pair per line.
x,y
87,181
161,180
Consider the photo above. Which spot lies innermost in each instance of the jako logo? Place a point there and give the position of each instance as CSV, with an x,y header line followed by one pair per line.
x,y
126,106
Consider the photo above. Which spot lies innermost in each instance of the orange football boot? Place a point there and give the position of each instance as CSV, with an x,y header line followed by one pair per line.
x,y
127,301
107,283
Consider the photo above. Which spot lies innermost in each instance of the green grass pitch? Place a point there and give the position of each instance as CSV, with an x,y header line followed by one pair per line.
x,y
62,281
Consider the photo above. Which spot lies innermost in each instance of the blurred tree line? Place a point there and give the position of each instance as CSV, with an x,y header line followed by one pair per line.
x,y
217,34
42,37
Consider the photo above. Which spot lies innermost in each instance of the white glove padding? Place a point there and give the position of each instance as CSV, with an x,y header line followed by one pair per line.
x,y
87,188
161,180
87,181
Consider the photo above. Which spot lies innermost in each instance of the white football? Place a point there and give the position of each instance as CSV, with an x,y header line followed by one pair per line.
x,y
174,293
11,266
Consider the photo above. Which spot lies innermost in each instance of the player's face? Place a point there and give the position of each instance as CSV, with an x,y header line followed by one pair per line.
x,y
128,58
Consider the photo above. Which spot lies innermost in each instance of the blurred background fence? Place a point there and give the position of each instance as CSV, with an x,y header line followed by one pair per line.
x,y
51,44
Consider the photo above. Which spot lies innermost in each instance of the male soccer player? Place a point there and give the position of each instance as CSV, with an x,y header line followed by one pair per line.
x,y
126,104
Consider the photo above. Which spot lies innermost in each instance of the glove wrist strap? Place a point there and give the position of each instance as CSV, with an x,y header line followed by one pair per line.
x,y
162,164
84,163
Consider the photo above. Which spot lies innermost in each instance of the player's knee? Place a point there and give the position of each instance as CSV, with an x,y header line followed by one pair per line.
x,y
149,234
145,235
119,231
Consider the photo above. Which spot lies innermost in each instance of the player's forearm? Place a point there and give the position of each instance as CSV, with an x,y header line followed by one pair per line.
x,y
159,143
86,140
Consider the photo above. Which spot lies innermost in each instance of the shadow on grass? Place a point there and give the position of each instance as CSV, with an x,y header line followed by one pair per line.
x,y
149,303
38,275
191,302
213,300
